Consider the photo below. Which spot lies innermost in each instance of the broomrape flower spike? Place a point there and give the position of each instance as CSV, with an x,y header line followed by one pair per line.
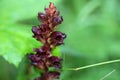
x,y
46,34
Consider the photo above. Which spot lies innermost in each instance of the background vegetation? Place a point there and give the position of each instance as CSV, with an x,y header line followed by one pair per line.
x,y
93,35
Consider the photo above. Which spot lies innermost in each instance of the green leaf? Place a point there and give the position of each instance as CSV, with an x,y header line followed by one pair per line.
x,y
15,44
56,52
94,30
16,19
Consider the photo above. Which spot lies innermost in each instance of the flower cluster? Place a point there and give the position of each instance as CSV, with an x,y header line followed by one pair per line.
x,y
46,34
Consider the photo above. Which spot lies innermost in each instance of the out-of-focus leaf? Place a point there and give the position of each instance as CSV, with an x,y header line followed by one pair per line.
x,y
15,43
56,52
93,30
16,19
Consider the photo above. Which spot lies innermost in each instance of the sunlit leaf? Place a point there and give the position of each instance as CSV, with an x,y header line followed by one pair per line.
x,y
16,20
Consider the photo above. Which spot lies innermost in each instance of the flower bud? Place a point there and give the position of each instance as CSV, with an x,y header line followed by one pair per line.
x,y
52,75
36,30
34,57
57,20
42,16
54,61
56,38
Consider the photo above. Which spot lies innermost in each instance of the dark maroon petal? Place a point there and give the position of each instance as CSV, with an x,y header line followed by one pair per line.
x,y
53,75
57,20
38,34
36,30
44,51
42,16
40,38
45,29
41,50
40,65
49,76
34,57
57,38
37,61
55,62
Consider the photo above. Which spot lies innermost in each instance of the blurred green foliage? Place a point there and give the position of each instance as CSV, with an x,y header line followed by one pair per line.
x,y
93,35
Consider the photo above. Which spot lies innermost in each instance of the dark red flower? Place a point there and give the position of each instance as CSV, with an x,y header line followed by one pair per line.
x,y
36,30
38,34
42,17
46,34
49,76
44,28
37,61
54,61
57,20
44,51
56,38
34,58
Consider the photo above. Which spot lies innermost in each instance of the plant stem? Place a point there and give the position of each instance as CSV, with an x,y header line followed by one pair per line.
x,y
107,75
92,65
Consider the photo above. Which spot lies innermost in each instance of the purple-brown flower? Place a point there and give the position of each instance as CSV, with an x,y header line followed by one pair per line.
x,y
54,61
56,38
49,76
46,34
